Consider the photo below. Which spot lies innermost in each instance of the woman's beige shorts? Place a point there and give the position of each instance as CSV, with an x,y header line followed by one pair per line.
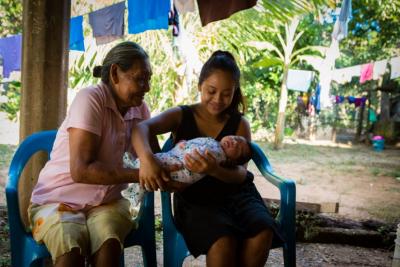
x,y
61,229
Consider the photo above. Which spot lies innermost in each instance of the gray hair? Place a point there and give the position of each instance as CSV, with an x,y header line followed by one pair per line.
x,y
124,55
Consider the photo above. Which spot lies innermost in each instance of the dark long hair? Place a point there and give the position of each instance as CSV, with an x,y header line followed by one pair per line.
x,y
224,60
124,55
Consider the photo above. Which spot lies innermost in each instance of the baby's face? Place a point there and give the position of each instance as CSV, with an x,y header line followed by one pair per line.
x,y
234,146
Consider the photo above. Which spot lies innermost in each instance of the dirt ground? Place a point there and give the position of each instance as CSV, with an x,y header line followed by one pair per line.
x,y
365,183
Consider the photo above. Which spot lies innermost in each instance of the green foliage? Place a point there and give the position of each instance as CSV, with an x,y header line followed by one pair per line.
x,y
80,74
374,32
12,91
373,35
10,17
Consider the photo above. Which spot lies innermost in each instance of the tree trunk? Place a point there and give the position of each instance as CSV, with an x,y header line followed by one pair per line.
x,y
335,123
280,122
385,107
360,124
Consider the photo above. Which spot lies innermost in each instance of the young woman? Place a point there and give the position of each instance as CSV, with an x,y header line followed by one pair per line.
x,y
221,215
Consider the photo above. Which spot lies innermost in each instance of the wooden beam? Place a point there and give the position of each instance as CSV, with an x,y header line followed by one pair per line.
x,y
324,207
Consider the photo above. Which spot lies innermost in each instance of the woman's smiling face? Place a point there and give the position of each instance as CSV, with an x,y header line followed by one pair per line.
x,y
130,86
217,91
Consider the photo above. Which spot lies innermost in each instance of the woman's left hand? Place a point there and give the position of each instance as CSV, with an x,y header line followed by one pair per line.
x,y
201,163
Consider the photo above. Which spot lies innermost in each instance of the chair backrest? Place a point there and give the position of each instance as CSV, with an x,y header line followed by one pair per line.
x,y
42,141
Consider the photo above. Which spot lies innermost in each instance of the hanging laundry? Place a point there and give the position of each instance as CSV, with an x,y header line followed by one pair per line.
x,y
301,106
184,6
10,51
372,115
379,69
299,80
147,15
173,19
186,51
340,29
305,99
341,76
395,67
351,99
339,99
353,71
315,100
76,40
108,23
344,75
211,10
360,101
366,72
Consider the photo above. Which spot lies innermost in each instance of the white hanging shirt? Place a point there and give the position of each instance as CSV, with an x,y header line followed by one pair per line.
x,y
379,69
299,80
395,70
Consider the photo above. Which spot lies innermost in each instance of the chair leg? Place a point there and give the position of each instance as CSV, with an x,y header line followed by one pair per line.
x,y
289,254
149,256
122,259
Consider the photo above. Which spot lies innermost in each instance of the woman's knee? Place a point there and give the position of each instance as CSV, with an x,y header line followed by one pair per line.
x,y
71,258
225,243
264,238
223,252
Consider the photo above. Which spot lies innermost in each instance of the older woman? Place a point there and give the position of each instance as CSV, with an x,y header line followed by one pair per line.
x,y
76,207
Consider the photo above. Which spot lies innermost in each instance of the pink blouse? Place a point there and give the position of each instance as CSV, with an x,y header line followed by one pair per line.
x,y
93,110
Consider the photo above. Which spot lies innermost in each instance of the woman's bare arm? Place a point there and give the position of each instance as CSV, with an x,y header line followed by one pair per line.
x,y
84,166
151,174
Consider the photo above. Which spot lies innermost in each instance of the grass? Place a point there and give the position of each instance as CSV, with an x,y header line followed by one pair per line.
x,y
393,173
389,213
375,171
290,152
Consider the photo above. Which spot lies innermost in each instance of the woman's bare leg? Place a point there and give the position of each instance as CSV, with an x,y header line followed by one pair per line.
x,y
108,254
254,251
223,253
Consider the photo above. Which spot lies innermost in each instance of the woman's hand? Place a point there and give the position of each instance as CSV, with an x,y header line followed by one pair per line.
x,y
152,176
201,163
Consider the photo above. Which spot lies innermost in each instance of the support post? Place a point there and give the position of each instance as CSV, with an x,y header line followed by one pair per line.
x,y
45,46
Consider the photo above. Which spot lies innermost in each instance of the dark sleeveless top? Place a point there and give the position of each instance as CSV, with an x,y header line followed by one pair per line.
x,y
208,189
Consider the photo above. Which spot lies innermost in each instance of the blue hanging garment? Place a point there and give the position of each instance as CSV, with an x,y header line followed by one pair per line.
x,y
340,28
317,99
76,34
108,23
147,15
10,51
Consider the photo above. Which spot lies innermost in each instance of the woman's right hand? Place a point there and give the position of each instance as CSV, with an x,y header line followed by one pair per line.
x,y
153,176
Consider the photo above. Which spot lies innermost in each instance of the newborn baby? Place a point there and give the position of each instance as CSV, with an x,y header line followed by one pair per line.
x,y
231,150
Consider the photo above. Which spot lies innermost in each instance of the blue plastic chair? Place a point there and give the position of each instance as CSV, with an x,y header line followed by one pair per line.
x,y
175,249
24,249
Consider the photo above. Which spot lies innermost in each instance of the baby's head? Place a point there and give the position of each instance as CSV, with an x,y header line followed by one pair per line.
x,y
237,149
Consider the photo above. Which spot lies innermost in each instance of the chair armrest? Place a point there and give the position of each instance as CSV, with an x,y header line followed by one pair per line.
x,y
287,187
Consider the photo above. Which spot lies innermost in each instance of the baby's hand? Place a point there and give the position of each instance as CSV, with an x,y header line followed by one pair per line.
x,y
201,163
182,144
